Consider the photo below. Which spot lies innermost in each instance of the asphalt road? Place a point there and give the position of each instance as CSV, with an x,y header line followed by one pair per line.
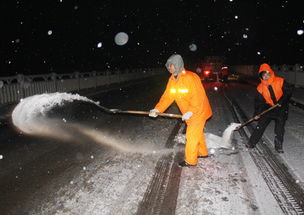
x,y
46,175
33,167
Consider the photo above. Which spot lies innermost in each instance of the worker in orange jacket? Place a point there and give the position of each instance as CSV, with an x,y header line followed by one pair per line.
x,y
271,91
186,89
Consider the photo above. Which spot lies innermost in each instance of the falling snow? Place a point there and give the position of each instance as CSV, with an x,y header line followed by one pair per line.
x,y
193,47
121,38
300,32
99,45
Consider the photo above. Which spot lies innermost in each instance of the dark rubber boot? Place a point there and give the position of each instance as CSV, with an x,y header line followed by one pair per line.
x,y
278,145
202,156
250,146
185,164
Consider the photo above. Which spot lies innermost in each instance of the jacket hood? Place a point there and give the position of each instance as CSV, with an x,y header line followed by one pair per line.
x,y
266,67
177,61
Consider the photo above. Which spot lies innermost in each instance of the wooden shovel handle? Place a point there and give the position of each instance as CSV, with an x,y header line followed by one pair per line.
x,y
171,115
252,119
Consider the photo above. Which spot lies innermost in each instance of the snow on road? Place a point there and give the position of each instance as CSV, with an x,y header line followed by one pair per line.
x,y
221,185
114,186
228,182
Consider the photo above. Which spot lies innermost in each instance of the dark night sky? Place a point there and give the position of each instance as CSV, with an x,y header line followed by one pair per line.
x,y
243,31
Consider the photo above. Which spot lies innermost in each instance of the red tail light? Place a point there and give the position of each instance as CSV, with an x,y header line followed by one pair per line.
x,y
206,73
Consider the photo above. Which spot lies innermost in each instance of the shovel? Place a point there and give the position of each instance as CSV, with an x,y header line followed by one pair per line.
x,y
252,119
171,115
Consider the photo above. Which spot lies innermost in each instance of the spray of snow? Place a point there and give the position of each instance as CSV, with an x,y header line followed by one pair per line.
x,y
30,117
214,141
120,144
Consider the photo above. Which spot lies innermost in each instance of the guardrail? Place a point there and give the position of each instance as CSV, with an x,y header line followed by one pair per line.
x,y
14,88
292,73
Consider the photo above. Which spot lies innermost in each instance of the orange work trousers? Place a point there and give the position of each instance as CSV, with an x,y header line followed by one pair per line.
x,y
195,142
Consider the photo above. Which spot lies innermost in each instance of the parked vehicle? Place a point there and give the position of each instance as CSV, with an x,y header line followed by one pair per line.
x,y
224,74
210,68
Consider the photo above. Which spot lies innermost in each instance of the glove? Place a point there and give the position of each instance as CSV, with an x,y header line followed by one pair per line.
x,y
257,117
187,115
153,113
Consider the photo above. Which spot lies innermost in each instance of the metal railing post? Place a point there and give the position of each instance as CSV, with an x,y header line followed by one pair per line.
x,y
20,80
54,79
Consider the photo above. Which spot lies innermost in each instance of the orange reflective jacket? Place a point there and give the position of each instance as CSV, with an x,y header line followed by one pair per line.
x,y
274,81
189,94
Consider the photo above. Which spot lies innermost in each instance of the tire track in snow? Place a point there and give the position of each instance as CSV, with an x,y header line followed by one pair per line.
x,y
161,195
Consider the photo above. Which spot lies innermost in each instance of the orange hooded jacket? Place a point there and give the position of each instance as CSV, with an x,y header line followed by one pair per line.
x,y
189,94
274,81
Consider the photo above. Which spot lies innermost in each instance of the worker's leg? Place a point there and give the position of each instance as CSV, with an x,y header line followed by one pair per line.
x,y
258,131
202,146
279,131
193,137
